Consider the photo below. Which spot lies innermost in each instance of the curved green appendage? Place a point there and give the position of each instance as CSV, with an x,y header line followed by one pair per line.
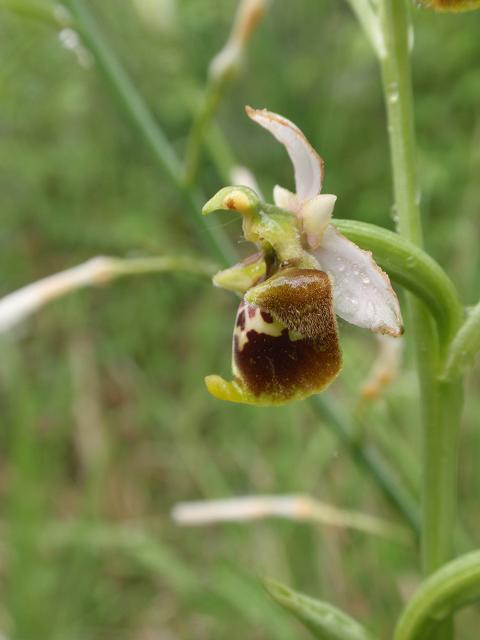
x,y
243,275
452,587
411,267
267,226
234,391
465,345
325,621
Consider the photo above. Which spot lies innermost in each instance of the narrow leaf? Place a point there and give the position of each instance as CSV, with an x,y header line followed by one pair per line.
x,y
325,621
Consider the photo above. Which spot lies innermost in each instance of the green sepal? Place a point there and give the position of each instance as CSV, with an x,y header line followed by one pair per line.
x,y
325,621
241,199
243,275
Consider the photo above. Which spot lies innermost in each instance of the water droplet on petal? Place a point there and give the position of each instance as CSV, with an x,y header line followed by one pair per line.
x,y
341,264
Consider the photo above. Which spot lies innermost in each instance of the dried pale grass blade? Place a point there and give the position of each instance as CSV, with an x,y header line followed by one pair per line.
x,y
247,18
19,305
307,164
385,369
292,507
362,292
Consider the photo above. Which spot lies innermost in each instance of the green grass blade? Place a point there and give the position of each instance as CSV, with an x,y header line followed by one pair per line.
x,y
325,621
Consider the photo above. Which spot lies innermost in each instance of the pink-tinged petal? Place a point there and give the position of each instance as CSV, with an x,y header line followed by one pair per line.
x,y
307,164
287,200
362,292
316,215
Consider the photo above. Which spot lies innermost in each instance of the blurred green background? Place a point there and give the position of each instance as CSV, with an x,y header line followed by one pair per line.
x,y
106,423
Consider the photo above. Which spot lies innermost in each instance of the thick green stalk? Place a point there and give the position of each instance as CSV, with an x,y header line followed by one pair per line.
x,y
441,401
145,125
464,346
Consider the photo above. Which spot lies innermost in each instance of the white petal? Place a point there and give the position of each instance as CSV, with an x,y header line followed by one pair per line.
x,y
287,200
316,215
307,164
362,292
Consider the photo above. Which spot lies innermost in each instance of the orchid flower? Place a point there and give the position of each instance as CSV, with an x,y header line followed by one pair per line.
x,y
285,344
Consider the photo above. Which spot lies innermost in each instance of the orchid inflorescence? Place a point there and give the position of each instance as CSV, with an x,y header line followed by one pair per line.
x,y
285,341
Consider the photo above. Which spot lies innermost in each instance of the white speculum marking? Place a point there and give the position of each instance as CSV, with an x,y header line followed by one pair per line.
x,y
253,321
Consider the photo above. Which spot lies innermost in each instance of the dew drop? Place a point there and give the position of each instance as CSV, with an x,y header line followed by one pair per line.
x,y
69,38
394,214
365,279
411,262
393,92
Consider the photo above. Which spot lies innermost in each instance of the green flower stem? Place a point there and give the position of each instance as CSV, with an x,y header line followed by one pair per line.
x,y
202,120
464,346
146,126
143,122
441,401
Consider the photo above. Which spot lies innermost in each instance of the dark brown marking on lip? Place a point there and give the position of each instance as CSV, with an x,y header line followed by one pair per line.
x,y
267,316
241,319
281,368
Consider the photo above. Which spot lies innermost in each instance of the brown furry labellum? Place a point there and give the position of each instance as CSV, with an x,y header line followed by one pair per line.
x,y
285,344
